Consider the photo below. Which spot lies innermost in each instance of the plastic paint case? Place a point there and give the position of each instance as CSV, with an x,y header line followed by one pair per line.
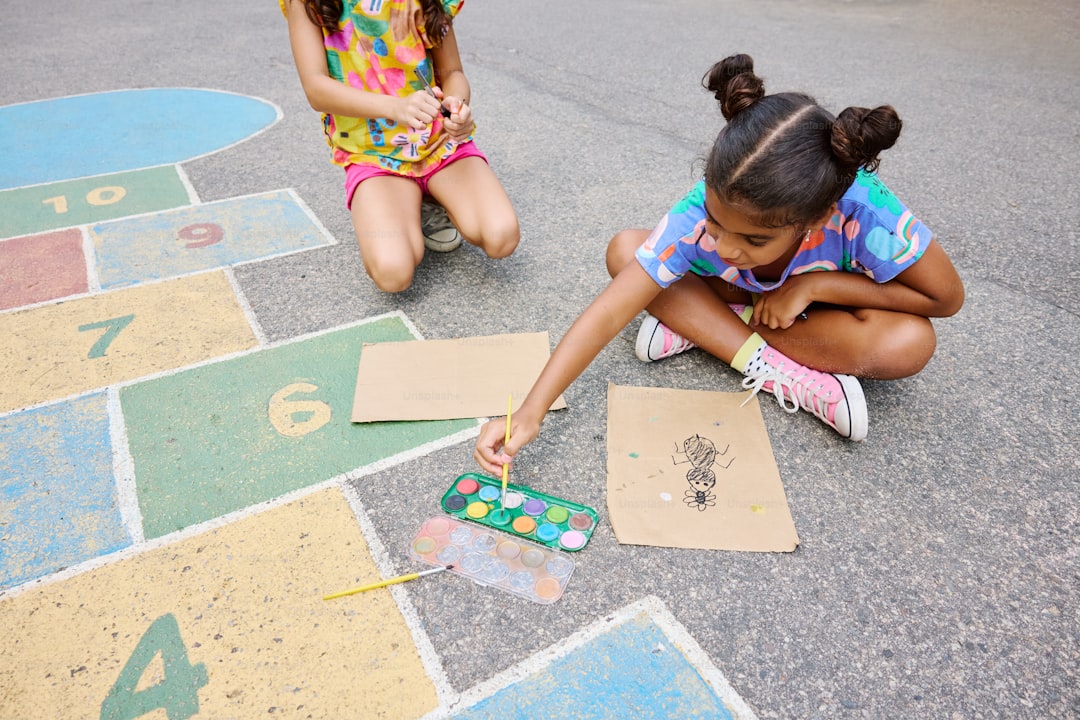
x,y
494,559
528,514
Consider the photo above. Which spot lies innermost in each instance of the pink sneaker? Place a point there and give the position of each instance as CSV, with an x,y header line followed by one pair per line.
x,y
834,398
656,341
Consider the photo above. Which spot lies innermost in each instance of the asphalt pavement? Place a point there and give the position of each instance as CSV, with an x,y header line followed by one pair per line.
x,y
939,568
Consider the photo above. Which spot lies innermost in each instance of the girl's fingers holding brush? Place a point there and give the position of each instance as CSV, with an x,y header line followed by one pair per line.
x,y
488,445
492,450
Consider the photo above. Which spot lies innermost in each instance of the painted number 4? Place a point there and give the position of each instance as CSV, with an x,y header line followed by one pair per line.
x,y
177,694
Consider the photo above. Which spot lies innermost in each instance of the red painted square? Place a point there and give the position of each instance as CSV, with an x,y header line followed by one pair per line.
x,y
36,268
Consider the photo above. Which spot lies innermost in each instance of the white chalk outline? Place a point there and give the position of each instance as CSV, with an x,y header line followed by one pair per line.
x,y
278,115
658,613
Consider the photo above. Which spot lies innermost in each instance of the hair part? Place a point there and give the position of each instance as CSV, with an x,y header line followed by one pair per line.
x,y
327,15
783,158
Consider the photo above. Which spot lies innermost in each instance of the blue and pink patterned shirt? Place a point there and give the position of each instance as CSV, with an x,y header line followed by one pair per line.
x,y
871,232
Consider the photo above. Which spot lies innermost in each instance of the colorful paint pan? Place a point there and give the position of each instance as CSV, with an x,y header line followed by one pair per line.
x,y
508,563
545,519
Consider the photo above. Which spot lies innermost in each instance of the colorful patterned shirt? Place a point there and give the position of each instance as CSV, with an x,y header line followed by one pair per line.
x,y
871,232
381,46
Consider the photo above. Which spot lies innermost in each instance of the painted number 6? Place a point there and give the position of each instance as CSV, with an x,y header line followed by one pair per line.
x,y
283,411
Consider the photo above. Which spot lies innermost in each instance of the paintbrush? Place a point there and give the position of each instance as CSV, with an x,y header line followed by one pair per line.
x,y
384,583
506,467
442,110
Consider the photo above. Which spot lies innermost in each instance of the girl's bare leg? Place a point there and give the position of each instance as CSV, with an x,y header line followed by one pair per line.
x,y
386,218
879,344
478,205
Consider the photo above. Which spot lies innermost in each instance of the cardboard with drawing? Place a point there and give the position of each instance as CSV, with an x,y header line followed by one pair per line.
x,y
693,469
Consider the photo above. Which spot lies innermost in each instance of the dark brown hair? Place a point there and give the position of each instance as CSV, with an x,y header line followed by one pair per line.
x,y
784,157
327,14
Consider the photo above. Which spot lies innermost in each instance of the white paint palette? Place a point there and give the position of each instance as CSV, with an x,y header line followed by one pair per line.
x,y
517,566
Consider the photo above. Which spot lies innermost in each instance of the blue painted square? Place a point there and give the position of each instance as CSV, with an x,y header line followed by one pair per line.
x,y
58,503
631,671
201,237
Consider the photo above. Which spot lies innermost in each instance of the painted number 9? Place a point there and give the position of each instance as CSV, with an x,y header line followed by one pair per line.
x,y
201,235
313,414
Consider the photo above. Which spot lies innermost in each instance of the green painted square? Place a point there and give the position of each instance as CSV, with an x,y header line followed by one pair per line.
x,y
218,438
37,208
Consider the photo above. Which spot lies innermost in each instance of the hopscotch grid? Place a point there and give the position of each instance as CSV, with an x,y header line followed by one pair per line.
x,y
223,358
197,203
184,181
651,606
429,658
278,115
86,177
90,253
243,513
153,281
192,193
245,307
93,281
311,215
127,497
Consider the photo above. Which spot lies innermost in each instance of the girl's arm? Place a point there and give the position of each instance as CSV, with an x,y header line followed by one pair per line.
x,y
931,288
327,95
453,85
627,295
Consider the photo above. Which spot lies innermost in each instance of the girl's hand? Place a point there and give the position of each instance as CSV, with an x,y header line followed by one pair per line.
x,y
490,452
460,123
779,309
417,110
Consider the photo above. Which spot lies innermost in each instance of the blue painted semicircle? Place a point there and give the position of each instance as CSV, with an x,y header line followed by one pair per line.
x,y
86,135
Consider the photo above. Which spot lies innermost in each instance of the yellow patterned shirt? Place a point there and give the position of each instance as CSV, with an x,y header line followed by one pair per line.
x,y
381,46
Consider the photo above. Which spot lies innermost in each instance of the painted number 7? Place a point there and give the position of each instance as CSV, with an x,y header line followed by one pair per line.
x,y
112,328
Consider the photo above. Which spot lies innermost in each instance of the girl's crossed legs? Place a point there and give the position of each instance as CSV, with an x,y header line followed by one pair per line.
x,y
868,343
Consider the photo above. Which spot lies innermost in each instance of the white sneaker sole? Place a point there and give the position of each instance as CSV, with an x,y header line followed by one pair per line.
x,y
649,327
858,418
443,240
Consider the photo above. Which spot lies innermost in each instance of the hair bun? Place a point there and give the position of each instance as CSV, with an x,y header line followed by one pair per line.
x,y
734,85
859,134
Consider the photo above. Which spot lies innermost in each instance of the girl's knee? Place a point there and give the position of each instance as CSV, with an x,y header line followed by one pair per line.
x,y
391,277
905,347
500,239
621,249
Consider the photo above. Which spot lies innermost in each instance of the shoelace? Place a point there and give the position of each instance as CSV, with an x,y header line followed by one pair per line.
x,y
794,382
434,217
674,342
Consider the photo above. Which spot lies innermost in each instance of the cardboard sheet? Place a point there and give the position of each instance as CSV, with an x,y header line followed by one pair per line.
x,y
447,379
692,469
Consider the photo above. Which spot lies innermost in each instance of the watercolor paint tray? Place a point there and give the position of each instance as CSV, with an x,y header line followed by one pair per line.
x,y
543,519
494,559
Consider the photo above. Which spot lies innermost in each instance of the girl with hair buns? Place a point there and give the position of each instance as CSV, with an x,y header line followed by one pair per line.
x,y
789,260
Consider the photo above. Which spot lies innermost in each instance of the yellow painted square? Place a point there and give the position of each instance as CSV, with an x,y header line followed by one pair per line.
x,y
247,599
67,348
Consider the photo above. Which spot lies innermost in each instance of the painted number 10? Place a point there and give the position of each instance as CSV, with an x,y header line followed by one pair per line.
x,y
108,195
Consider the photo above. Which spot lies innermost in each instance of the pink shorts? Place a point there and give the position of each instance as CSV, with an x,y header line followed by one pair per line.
x,y
359,172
